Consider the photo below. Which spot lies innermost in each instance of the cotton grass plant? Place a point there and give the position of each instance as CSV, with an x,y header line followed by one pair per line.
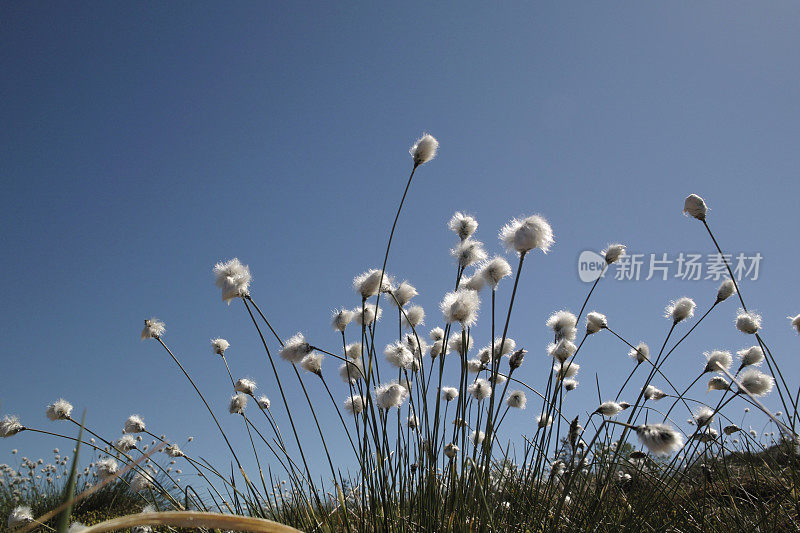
x,y
421,405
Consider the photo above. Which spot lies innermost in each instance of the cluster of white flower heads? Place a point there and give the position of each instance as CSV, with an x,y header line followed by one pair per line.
x,y
233,278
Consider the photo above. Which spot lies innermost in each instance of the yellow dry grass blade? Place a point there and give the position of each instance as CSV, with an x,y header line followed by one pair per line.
x,y
191,519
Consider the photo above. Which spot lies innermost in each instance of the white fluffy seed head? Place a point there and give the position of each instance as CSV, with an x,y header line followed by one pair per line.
x,y
718,383
609,408
752,356
352,371
795,322
403,293
680,309
370,314
449,393
613,253
515,359
494,270
141,481
756,382
567,369
313,363
703,416
233,278
173,451
61,409
10,426
641,353
652,393
660,439
390,395
414,316
517,399
717,360
474,366
354,404
570,384
134,424
726,290
595,322
561,350
237,404
544,420
398,355
437,334
107,467
341,318
245,385
461,306
462,225
412,421
451,450
468,252
21,515
480,389
153,328
563,323
695,206
367,283
424,149
264,402
219,346
476,437
125,443
456,344
524,235
295,348
748,322
474,282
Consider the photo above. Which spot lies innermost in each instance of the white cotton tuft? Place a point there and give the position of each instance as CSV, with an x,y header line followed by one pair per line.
x,y
595,322
474,282
233,278
341,318
660,439
134,424
703,416
449,393
570,384
641,353
10,426
173,451
476,437
370,314
107,467
695,206
494,270
414,316
313,363
367,283
390,395
516,359
652,393
480,389
21,515
219,346
61,409
527,234
561,350
436,349
468,252
352,371
795,322
462,225
475,365
748,322
563,323
457,345
756,382
237,404
141,481
609,408
567,369
718,383
680,309
412,421
613,253
517,399
424,149
726,290
461,306
544,420
264,403
502,347
354,404
752,356
125,443
245,385
153,329
295,349
716,360
398,355
437,334
403,293
451,450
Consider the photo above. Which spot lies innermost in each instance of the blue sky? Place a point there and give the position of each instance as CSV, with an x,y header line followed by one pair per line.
x,y
143,143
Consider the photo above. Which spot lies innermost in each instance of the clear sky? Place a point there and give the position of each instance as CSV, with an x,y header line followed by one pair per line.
x,y
141,143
